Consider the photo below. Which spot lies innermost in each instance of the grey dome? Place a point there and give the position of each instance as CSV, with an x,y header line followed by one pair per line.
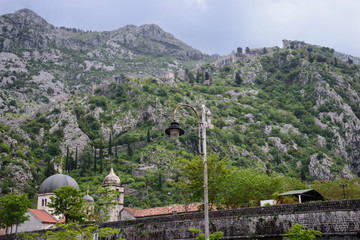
x,y
88,198
57,181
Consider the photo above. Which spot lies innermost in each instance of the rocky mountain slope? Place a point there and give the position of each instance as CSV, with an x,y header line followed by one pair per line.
x,y
44,63
74,95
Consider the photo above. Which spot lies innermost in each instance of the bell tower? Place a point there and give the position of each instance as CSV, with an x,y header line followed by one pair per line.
x,y
113,181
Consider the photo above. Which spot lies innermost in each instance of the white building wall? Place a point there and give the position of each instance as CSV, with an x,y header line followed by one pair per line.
x,y
44,200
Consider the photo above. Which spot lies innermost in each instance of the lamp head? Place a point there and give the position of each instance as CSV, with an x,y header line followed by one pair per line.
x,y
174,131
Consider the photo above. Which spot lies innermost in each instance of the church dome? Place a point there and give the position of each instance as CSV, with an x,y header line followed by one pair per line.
x,y
57,181
111,179
88,198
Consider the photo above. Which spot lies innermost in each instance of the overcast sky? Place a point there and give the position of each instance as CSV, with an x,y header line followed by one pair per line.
x,y
214,26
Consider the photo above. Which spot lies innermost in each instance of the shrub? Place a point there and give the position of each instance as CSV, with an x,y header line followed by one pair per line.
x,y
4,148
298,232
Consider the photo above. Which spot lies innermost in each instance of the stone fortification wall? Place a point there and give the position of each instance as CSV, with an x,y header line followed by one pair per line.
x,y
336,219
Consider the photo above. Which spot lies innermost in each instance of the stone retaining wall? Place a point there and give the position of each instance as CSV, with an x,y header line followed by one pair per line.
x,y
335,219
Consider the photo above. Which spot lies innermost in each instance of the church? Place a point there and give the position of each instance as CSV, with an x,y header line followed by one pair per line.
x,y
43,217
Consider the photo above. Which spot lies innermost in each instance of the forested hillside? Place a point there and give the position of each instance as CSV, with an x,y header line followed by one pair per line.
x,y
286,115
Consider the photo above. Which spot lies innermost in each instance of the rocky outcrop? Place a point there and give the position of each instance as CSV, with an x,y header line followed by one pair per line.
x,y
73,136
150,39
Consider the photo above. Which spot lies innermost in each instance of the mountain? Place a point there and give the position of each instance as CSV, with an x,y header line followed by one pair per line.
x,y
101,98
45,63
25,30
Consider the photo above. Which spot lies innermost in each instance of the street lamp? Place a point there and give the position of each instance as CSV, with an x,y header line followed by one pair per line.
x,y
174,131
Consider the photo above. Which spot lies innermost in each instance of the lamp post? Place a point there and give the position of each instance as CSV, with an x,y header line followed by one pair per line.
x,y
174,131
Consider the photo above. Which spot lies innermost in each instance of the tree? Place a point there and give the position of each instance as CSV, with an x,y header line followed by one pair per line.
x,y
101,155
76,158
50,168
207,76
238,79
67,159
298,232
333,189
148,136
68,201
213,236
116,153
197,78
230,187
110,146
193,177
94,160
129,150
73,231
191,77
264,51
12,210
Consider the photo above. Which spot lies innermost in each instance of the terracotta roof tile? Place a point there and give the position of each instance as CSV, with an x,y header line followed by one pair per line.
x,y
44,216
192,207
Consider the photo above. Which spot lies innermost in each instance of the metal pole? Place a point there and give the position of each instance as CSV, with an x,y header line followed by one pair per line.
x,y
202,126
206,198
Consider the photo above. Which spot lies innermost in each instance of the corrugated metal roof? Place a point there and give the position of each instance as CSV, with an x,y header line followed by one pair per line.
x,y
294,192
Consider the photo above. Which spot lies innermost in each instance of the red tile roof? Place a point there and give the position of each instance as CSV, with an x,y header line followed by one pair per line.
x,y
192,207
45,216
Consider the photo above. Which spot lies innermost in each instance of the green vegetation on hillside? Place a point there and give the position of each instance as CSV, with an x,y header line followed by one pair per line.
x,y
279,118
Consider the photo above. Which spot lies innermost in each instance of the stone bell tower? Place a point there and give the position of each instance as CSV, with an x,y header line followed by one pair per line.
x,y
113,181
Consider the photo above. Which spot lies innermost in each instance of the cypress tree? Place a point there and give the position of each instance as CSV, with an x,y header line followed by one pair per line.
x,y
89,160
148,136
71,162
76,158
116,153
129,150
110,146
207,76
238,79
264,50
198,76
94,160
67,159
49,169
101,155
191,77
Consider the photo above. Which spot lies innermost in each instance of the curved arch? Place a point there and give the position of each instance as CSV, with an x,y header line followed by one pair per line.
x,y
199,123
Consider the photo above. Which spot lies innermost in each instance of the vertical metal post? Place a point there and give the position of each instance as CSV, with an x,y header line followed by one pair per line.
x,y
201,127
206,198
